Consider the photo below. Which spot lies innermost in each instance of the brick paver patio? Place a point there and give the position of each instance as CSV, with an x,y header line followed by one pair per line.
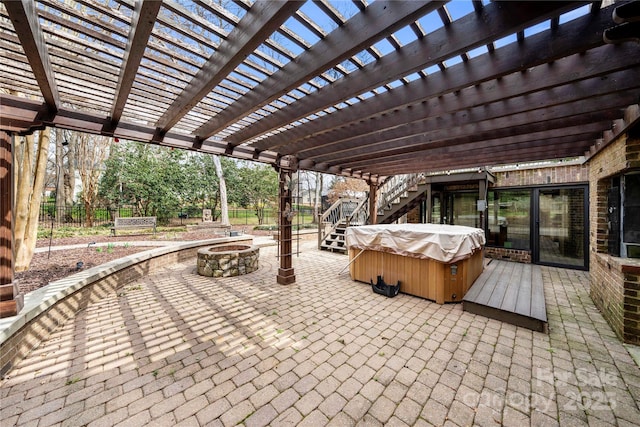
x,y
179,349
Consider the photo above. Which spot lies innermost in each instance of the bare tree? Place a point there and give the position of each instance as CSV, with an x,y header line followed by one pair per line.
x,y
317,200
224,208
347,187
92,151
30,171
65,173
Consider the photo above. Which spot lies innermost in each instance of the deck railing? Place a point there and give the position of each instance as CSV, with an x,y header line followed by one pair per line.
x,y
360,215
394,188
341,211
356,211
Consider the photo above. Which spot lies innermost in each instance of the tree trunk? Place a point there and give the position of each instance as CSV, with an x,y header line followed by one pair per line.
x,y
259,214
22,179
92,152
224,208
70,180
214,206
317,201
28,205
88,212
60,211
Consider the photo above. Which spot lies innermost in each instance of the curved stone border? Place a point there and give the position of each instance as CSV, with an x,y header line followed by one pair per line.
x,y
227,260
47,308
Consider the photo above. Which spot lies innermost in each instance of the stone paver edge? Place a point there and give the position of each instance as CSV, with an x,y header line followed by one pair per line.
x,y
40,300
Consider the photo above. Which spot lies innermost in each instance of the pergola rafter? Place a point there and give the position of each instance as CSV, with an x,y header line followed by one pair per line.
x,y
467,34
505,63
259,23
607,98
556,143
352,88
354,36
25,22
490,140
143,21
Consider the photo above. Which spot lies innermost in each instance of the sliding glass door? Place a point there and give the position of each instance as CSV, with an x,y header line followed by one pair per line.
x,y
561,224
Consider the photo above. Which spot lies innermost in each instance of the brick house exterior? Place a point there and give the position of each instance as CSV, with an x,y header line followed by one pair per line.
x,y
571,173
615,281
532,177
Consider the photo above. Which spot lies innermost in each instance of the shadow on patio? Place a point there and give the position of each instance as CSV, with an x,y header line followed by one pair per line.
x,y
178,348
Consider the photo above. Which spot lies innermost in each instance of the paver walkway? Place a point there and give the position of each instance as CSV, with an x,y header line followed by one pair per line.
x,y
176,348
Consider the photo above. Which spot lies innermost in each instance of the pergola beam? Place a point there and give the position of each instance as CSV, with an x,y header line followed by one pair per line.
x,y
576,36
25,21
482,122
539,88
475,29
142,23
578,133
262,20
24,116
381,18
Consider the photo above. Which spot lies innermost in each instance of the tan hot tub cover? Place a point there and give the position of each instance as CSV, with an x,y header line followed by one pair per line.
x,y
444,243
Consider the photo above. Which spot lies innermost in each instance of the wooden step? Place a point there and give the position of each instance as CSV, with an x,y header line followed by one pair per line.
x,y
334,242
333,248
510,292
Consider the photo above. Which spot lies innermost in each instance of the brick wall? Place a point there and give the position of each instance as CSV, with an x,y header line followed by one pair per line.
x,y
631,332
606,290
615,282
515,255
413,216
541,176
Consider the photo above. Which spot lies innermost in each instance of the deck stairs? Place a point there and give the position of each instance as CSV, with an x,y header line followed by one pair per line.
x,y
335,240
397,196
334,222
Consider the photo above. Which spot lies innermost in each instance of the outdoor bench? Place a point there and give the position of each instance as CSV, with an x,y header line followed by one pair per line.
x,y
140,222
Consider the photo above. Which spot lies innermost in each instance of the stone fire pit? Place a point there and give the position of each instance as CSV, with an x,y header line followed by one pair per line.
x,y
227,260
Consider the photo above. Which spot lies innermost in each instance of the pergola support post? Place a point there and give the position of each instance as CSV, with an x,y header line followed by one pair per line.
x,y
483,187
373,202
11,301
429,205
286,166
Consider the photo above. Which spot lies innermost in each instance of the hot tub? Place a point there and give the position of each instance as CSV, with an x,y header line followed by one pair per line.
x,y
433,261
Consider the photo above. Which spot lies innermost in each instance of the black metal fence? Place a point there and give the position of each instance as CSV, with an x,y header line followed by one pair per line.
x,y
76,216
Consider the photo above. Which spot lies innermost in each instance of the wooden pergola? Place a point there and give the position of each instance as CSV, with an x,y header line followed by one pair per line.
x,y
358,89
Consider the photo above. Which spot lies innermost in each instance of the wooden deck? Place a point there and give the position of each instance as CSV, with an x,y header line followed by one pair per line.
x,y
510,292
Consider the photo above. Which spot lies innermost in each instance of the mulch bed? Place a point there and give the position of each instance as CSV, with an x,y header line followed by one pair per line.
x,y
54,265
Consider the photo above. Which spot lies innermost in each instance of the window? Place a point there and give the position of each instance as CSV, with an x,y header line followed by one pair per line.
x,y
509,219
465,210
